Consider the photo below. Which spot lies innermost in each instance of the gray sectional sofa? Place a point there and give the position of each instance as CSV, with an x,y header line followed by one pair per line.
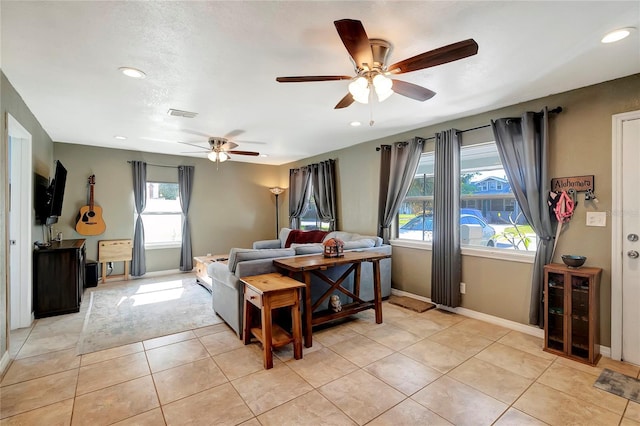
x,y
228,290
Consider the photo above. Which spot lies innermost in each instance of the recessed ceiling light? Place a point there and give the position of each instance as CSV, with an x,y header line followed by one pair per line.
x,y
120,138
132,72
355,124
617,35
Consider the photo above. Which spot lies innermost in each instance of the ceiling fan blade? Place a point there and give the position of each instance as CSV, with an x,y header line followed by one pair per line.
x,y
195,132
450,53
244,153
356,41
232,134
192,144
345,102
412,91
304,79
195,152
251,142
228,145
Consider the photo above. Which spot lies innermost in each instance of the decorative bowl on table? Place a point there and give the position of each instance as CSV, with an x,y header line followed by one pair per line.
x,y
573,261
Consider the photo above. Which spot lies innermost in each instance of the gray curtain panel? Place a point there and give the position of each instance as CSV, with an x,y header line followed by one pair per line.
x,y
398,165
446,269
523,144
323,179
298,194
138,261
185,183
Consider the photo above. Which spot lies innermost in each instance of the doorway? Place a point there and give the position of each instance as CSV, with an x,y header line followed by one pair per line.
x,y
20,225
625,238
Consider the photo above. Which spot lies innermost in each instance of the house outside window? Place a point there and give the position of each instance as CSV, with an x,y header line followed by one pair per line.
x,y
162,217
489,216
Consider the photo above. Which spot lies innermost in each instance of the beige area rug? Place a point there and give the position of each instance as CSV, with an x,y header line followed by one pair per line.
x,y
411,303
136,310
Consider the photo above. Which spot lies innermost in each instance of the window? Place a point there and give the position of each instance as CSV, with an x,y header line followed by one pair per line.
x,y
485,219
416,212
162,216
310,220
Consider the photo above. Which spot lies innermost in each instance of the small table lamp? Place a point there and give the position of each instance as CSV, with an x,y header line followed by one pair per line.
x,y
276,190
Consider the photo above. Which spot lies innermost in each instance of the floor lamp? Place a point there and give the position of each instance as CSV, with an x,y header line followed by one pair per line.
x,y
277,191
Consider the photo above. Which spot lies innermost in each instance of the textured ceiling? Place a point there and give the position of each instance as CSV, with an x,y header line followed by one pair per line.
x,y
220,59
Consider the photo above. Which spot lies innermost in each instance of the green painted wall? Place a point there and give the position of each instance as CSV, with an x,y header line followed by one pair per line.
x,y
231,206
580,145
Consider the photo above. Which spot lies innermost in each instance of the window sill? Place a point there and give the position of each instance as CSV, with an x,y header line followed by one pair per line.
x,y
490,253
161,246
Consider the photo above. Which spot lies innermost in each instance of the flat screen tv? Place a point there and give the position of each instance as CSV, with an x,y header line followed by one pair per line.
x,y
49,196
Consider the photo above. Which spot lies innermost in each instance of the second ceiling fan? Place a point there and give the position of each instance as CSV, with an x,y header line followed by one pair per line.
x,y
370,60
220,148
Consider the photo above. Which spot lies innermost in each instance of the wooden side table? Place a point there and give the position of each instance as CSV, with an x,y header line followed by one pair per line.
x,y
267,292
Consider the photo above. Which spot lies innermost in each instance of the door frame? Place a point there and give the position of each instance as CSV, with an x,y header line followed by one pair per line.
x,y
24,315
616,230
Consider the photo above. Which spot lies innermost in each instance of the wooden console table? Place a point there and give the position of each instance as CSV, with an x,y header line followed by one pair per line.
x,y
115,251
267,292
316,264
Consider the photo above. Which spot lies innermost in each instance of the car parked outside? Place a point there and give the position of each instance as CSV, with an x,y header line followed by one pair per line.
x,y
421,228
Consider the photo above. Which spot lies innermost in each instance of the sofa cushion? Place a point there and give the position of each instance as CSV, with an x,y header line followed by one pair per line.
x,y
240,255
312,248
352,236
303,237
341,235
359,244
283,235
377,240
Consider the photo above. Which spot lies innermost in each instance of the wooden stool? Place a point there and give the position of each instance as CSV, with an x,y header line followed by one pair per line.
x,y
267,292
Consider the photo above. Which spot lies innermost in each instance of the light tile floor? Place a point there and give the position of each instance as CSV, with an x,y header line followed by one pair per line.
x,y
414,369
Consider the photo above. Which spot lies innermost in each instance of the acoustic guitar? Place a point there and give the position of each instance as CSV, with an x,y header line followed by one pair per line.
x,y
90,221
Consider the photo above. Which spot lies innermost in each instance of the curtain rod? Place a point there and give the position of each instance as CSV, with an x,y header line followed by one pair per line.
x,y
157,165
555,110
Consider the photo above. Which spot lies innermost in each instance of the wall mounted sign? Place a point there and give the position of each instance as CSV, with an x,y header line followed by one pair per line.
x,y
577,183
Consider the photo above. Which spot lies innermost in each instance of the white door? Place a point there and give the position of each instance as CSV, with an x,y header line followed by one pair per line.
x,y
625,274
20,225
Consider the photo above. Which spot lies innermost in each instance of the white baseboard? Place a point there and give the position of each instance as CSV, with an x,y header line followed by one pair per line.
x,y
512,325
159,273
4,362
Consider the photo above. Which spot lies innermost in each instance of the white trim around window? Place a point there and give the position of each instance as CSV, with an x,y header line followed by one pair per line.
x,y
490,253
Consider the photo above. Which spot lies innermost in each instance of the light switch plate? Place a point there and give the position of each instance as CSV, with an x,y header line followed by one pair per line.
x,y
596,218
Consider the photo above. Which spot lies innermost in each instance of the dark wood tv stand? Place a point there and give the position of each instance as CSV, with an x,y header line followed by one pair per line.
x,y
58,278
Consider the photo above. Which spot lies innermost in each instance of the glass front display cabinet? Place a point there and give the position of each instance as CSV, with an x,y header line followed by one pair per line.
x,y
571,312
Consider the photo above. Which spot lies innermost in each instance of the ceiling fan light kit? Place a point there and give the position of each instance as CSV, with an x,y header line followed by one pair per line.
x,y
369,57
218,156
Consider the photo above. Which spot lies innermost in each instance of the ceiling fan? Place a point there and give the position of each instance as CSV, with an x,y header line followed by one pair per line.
x,y
369,57
220,148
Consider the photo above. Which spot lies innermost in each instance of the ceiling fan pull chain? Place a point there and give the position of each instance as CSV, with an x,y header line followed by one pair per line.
x,y
371,122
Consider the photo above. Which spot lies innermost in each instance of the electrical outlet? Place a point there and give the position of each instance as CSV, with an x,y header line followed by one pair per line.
x,y
463,288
